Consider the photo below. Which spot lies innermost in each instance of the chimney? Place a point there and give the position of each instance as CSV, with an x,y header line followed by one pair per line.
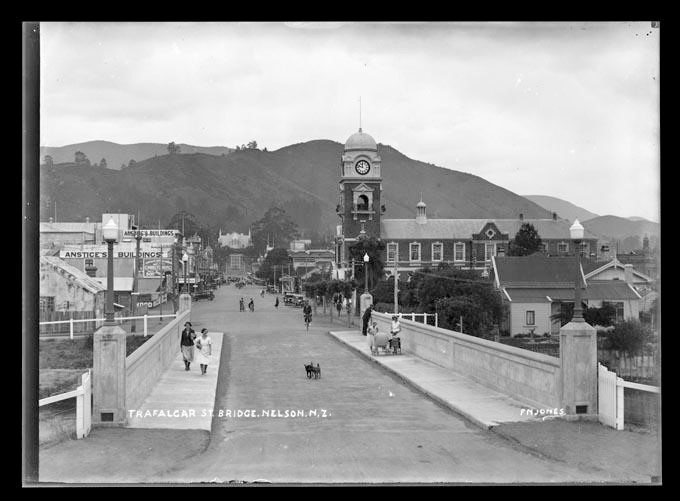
x,y
628,273
554,216
645,245
521,216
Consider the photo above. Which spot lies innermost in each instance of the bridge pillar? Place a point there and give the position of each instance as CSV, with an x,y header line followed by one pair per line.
x,y
365,300
578,362
184,302
108,376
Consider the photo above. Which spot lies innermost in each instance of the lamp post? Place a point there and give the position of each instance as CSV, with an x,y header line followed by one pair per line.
x,y
109,354
185,259
110,233
576,231
366,259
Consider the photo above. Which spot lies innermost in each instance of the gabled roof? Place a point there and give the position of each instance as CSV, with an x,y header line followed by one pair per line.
x,y
535,271
120,284
72,273
67,227
606,290
605,265
465,228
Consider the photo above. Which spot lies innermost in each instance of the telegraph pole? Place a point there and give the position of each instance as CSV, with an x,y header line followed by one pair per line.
x,y
396,287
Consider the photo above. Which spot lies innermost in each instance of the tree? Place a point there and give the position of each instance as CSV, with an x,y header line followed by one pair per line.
x,y
453,293
277,259
81,158
173,148
526,241
374,247
264,149
49,161
274,227
252,145
186,220
102,163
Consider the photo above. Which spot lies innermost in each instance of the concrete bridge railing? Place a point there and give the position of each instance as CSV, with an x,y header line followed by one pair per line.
x,y
145,365
525,375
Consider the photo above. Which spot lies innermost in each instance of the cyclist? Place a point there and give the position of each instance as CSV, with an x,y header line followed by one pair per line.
x,y
307,312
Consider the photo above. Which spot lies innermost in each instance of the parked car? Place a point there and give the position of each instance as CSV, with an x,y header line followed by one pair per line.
x,y
206,294
291,299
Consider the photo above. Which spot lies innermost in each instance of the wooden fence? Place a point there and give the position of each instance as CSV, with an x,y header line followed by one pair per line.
x,y
610,400
83,395
65,327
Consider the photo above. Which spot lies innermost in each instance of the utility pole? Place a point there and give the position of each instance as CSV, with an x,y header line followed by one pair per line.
x,y
135,286
396,286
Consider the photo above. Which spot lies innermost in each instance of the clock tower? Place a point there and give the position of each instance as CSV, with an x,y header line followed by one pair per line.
x,y
360,193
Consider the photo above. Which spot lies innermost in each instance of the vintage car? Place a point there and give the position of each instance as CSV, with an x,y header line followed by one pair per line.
x,y
206,294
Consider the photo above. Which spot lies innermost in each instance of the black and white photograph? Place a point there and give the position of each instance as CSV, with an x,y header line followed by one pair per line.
x,y
345,253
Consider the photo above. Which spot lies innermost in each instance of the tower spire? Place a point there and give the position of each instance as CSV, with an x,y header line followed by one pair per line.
x,y
359,113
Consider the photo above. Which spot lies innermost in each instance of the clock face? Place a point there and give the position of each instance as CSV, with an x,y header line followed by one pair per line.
x,y
362,167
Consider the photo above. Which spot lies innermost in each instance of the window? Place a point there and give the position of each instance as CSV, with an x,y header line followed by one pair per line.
x,y
89,263
437,252
563,247
459,251
585,249
46,303
544,248
391,252
362,202
489,250
531,317
414,251
618,306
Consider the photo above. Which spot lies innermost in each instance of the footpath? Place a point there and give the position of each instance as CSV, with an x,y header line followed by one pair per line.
x,y
627,456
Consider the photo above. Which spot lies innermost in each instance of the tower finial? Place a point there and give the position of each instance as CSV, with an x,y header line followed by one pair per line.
x,y
421,197
359,113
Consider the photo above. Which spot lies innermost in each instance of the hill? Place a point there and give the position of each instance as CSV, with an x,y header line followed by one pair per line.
x,y
629,234
236,189
564,209
118,154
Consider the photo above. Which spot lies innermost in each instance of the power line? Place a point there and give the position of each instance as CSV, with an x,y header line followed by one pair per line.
x,y
456,279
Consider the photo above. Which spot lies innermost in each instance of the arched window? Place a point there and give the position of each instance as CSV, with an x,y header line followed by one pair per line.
x,y
362,202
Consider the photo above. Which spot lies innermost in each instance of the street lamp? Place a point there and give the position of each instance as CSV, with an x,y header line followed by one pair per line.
x,y
366,259
110,234
576,231
185,259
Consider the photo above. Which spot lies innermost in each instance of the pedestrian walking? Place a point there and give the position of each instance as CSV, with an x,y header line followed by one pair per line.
x,y
241,305
338,306
204,347
186,345
251,305
276,303
372,331
366,318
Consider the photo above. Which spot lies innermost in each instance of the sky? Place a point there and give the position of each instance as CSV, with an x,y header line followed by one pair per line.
x,y
569,110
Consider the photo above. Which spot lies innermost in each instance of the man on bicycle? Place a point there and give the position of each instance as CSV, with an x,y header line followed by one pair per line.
x,y
307,312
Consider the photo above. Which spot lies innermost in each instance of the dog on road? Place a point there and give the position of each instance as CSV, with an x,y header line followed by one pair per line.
x,y
313,371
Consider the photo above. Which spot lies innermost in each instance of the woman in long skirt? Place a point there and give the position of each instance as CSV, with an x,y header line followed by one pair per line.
x,y
204,350
186,345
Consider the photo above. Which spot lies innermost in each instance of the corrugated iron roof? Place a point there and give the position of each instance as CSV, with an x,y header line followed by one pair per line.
x,y
67,227
80,277
536,270
607,290
465,228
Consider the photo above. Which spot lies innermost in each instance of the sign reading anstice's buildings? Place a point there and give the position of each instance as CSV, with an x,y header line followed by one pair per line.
x,y
119,251
149,233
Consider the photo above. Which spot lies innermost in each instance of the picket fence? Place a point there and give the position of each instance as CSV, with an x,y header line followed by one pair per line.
x,y
610,396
